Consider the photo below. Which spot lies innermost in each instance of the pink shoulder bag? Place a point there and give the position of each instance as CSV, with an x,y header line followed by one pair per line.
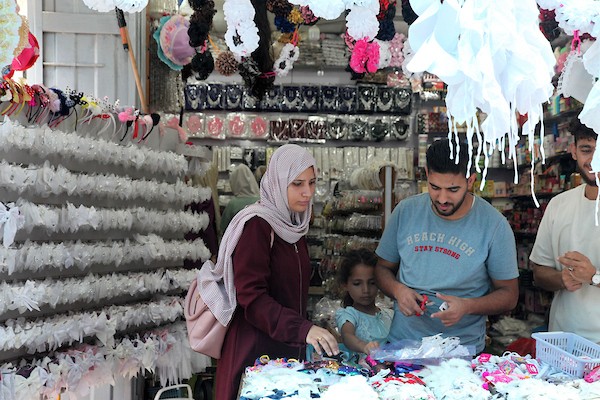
x,y
205,332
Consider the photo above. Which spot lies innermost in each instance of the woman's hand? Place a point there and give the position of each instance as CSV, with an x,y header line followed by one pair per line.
x,y
322,340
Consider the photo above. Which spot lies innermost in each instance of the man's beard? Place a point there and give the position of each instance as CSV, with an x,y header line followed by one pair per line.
x,y
585,177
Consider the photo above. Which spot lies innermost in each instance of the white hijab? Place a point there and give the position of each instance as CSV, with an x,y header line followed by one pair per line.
x,y
286,164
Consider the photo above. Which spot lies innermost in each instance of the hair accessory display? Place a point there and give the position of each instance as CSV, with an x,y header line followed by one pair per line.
x,y
69,218
34,257
195,96
347,101
43,142
44,334
289,54
233,97
316,128
336,128
292,98
173,41
280,129
48,180
236,125
92,288
214,96
329,96
258,128
366,98
361,21
242,34
226,64
195,125
110,5
365,56
10,222
215,127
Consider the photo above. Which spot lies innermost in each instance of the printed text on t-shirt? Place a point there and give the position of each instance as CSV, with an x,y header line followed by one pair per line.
x,y
454,244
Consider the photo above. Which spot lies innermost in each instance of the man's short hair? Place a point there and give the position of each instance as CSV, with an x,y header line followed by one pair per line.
x,y
580,131
438,157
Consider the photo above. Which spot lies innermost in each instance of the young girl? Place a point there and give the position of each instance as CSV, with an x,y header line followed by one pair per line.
x,y
362,324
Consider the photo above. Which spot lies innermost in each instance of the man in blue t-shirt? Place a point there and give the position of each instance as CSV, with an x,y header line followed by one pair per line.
x,y
451,246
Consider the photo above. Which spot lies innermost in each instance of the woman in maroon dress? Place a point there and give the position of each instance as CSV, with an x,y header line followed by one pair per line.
x,y
270,265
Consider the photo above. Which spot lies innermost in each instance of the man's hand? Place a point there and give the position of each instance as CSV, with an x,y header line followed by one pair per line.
x,y
578,267
457,307
408,301
569,281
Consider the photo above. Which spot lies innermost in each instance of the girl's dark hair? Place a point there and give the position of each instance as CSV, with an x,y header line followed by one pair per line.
x,y
351,260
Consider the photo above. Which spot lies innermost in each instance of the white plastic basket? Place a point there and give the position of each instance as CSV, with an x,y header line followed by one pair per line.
x,y
159,394
567,351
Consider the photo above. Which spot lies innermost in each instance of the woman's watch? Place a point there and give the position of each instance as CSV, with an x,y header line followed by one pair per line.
x,y
596,278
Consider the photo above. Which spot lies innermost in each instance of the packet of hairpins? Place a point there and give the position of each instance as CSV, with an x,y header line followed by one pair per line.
x,y
358,128
214,96
402,101
249,102
291,98
298,128
258,127
215,127
194,124
379,128
366,98
195,96
272,99
384,99
234,94
310,98
329,99
347,99
316,128
337,127
237,126
279,129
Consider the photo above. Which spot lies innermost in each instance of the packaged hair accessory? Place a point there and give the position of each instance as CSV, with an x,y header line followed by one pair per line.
x,y
402,100
337,127
273,99
195,96
234,94
215,127
347,99
298,128
279,129
194,124
316,128
258,127
366,98
384,99
249,102
379,128
310,98
214,96
329,99
292,99
236,125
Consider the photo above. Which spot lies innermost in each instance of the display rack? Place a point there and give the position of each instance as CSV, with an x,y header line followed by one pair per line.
x,y
91,268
